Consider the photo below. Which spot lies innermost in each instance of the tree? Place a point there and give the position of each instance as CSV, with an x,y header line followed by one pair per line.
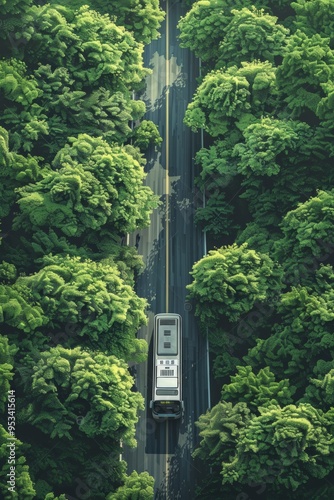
x,y
301,334
141,17
217,215
218,167
8,273
256,390
270,198
91,46
320,390
282,446
228,281
15,171
315,17
19,309
80,80
145,134
203,27
270,144
257,237
13,450
232,98
136,487
251,35
103,311
67,383
7,352
308,63
93,184
307,237
101,113
219,430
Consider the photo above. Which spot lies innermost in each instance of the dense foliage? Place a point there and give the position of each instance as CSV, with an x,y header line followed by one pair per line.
x,y
72,177
263,294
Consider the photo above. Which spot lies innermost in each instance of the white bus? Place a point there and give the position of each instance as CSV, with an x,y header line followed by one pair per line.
x,y
167,367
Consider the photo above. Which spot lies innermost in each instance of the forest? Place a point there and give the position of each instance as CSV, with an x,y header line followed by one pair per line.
x,y
72,156
264,292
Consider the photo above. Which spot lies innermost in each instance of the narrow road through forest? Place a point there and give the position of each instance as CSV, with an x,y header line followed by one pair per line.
x,y
169,247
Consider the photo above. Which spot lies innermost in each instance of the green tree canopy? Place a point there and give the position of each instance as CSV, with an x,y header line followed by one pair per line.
x,y
228,281
203,27
308,63
282,446
302,333
320,391
91,46
19,309
315,17
270,144
256,390
24,487
93,184
136,487
141,17
251,34
232,98
217,215
219,430
92,297
68,383
308,237
15,171
145,134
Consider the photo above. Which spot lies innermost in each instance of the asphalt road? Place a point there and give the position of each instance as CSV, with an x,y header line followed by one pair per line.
x,y
169,247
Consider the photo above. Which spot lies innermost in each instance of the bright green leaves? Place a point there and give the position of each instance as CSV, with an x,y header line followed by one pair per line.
x,y
251,34
220,429
231,97
256,390
103,311
266,98
221,95
139,486
301,334
69,383
320,392
6,370
140,17
15,170
203,27
145,134
67,77
308,63
308,236
91,46
314,17
23,485
228,281
269,141
14,83
19,309
95,185
106,49
285,446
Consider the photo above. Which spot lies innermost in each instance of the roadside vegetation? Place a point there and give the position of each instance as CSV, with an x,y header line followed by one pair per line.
x,y
71,186
264,292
